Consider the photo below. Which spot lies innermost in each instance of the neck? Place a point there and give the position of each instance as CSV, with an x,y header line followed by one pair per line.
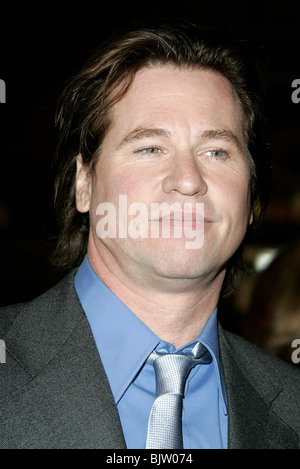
x,y
176,311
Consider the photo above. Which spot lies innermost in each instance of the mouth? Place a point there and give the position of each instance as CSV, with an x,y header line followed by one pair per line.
x,y
182,222
184,218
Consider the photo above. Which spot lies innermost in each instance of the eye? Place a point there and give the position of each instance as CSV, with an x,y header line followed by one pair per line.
x,y
217,153
149,150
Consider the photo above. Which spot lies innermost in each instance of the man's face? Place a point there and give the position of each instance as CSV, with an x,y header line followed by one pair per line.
x,y
176,137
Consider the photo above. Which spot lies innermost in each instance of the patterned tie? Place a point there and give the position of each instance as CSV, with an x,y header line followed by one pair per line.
x,y
171,371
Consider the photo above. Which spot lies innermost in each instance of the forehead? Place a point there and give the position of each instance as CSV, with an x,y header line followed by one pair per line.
x,y
168,95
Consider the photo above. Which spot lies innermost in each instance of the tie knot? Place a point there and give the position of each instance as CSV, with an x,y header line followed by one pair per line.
x,y
172,369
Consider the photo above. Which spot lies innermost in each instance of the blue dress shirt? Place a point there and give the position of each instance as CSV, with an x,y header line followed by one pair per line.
x,y
124,344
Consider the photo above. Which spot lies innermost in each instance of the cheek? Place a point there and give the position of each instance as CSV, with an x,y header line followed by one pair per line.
x,y
132,187
136,184
234,197
242,207
111,184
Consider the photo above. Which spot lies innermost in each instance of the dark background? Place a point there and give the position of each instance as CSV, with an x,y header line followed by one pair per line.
x,y
42,46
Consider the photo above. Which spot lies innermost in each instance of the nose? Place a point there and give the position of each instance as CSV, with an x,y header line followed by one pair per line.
x,y
185,176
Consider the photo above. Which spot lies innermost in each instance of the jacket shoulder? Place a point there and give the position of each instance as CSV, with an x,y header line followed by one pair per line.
x,y
276,381
33,331
9,314
250,357
263,394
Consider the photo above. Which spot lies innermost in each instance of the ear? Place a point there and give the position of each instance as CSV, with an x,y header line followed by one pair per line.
x,y
83,186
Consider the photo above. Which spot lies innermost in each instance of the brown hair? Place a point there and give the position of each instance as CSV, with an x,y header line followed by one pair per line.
x,y
84,110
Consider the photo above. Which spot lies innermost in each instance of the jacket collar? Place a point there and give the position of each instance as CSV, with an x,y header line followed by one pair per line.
x,y
252,422
70,369
55,370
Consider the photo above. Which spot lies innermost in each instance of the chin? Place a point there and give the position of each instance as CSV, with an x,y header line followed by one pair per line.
x,y
183,267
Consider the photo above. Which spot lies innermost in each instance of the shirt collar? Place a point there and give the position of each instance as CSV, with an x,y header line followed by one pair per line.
x,y
124,342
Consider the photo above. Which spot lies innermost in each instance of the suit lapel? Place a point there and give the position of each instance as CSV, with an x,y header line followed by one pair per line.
x,y
66,401
247,412
56,393
251,422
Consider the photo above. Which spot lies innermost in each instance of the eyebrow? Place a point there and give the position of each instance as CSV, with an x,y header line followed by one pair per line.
x,y
141,133
222,134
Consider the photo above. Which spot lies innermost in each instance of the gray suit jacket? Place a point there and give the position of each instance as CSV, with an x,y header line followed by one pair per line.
x,y
54,392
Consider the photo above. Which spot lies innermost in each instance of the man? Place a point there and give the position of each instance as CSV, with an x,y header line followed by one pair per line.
x,y
157,133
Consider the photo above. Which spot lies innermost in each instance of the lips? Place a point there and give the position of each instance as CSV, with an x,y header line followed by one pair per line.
x,y
184,217
181,223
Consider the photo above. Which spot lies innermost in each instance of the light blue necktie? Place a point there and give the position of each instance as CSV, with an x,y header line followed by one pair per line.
x,y
171,371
